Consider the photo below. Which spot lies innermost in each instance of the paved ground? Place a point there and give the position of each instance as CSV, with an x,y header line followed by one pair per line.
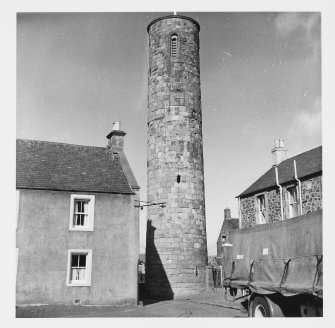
x,y
208,304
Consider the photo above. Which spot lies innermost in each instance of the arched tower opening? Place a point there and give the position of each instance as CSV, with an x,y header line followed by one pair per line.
x,y
173,45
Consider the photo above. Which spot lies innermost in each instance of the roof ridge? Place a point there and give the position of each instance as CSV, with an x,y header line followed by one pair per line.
x,y
58,143
298,154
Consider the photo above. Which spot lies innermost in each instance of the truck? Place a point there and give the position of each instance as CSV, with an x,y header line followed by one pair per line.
x,y
276,269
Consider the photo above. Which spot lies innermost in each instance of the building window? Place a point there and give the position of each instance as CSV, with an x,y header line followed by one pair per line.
x,y
261,209
79,267
174,45
293,203
82,213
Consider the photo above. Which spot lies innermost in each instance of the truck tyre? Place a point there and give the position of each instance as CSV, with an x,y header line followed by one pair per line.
x,y
308,308
262,307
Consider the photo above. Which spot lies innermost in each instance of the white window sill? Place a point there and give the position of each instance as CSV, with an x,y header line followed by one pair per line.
x,y
78,284
81,229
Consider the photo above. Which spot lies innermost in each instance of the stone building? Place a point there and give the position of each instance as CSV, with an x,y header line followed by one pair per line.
x,y
176,249
292,187
77,227
228,224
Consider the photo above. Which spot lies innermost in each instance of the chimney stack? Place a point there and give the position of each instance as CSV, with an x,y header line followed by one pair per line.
x,y
115,138
279,152
227,214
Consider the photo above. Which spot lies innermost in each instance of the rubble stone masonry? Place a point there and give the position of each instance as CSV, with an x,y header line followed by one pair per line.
x,y
311,194
248,212
311,197
176,249
274,211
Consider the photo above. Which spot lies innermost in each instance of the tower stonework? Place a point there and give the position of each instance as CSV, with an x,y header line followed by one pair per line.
x,y
176,246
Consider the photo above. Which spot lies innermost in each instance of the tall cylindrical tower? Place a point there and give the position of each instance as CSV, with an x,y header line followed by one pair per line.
x,y
176,249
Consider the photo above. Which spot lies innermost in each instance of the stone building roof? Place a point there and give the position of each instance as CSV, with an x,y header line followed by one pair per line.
x,y
59,166
308,163
227,225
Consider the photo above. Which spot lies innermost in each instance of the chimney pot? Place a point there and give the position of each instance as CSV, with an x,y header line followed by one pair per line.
x,y
279,152
117,126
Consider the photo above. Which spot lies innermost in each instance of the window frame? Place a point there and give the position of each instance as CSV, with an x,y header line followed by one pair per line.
x,y
89,226
289,203
258,209
88,273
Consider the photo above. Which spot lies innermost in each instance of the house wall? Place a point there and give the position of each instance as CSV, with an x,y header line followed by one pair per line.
x,y
219,243
248,210
311,194
43,239
227,226
274,205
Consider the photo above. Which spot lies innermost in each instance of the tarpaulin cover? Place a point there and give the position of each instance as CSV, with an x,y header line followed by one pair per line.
x,y
284,257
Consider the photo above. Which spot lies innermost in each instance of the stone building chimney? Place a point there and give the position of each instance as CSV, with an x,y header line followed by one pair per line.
x,y
279,152
227,214
115,151
115,138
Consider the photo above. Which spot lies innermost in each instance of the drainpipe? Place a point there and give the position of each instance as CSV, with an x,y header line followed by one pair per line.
x,y
239,212
299,183
281,194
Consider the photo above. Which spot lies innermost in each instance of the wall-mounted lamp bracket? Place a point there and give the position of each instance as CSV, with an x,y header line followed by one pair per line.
x,y
147,204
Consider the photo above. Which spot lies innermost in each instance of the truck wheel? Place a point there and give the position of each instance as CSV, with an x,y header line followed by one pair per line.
x,y
311,309
262,307
259,308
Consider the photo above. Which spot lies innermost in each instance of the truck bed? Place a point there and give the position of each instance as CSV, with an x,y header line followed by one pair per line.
x,y
282,257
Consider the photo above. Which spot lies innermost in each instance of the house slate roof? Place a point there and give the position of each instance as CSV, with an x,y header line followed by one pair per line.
x,y
59,166
229,224
308,163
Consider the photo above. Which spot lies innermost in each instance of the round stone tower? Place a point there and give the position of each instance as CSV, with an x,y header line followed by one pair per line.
x,y
176,248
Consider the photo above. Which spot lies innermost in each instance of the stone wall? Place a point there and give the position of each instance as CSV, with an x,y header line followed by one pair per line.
x,y
176,249
247,206
249,210
311,194
274,211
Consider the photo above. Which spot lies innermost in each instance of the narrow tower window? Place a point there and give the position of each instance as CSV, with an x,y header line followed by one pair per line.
x,y
178,178
174,45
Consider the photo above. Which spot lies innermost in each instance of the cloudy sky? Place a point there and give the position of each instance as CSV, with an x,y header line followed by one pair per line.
x,y
77,73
